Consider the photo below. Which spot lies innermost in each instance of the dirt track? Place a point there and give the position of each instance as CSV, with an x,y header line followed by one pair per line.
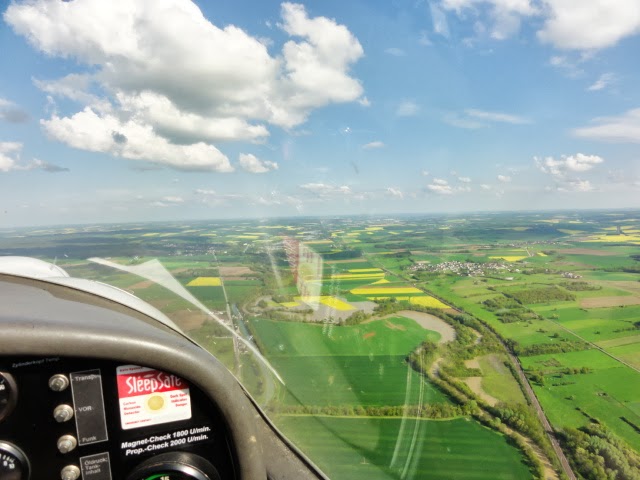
x,y
475,384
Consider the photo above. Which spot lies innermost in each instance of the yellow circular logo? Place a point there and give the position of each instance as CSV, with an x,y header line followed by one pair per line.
x,y
156,402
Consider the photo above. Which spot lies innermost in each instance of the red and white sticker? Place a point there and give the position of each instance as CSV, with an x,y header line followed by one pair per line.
x,y
151,397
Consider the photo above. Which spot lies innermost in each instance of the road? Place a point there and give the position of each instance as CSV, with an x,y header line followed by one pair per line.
x,y
266,376
236,349
542,417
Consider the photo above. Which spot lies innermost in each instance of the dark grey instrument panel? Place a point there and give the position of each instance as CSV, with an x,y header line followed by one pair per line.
x,y
101,420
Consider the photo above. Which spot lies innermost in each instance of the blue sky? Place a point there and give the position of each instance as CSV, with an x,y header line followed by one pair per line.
x,y
134,109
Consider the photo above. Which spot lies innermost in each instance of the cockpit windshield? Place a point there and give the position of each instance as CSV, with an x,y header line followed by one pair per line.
x,y
409,229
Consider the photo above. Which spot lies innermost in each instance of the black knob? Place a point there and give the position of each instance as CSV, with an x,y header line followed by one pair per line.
x,y
13,462
175,466
8,394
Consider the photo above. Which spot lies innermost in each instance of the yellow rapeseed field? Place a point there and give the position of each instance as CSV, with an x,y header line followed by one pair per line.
x,y
615,239
510,258
357,276
205,282
427,301
332,302
384,290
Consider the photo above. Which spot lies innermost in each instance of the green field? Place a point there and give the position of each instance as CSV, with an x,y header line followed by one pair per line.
x,y
353,380
211,297
498,381
609,393
366,448
348,365
295,339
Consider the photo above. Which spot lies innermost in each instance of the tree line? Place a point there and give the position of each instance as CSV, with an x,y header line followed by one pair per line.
x,y
598,454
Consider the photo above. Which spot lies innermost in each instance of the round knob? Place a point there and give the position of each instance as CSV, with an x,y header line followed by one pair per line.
x,y
63,413
8,394
175,466
66,443
13,463
58,382
70,472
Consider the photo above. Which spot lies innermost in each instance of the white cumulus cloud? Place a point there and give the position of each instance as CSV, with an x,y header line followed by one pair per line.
x,y
589,25
567,163
504,178
504,16
439,20
623,128
9,154
394,192
324,189
252,164
563,171
10,160
441,186
440,189
89,130
583,25
228,87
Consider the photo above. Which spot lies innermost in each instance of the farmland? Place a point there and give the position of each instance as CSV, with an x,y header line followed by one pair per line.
x,y
354,365
334,306
366,448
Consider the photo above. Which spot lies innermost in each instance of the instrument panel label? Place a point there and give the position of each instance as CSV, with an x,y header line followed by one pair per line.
x,y
96,467
88,402
169,440
151,397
